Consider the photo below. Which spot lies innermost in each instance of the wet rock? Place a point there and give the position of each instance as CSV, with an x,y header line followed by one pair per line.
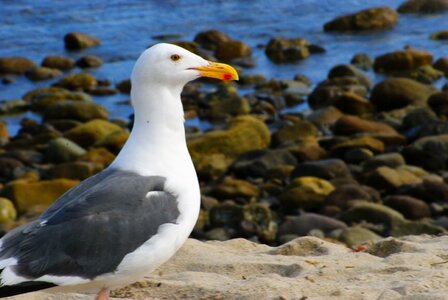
x,y
349,125
307,149
403,60
350,71
306,193
13,106
82,81
124,86
258,221
425,74
251,79
389,180
301,225
91,132
63,150
431,152
423,6
89,61
27,157
211,39
329,90
259,163
324,117
372,213
351,103
440,35
353,236
412,208
10,168
42,73
213,152
226,215
357,155
367,19
4,134
442,65
430,191
8,212
392,160
344,194
439,103
75,170
226,102
325,169
77,110
98,155
79,41
15,65
400,92
226,51
58,62
29,196
283,50
422,115
362,61
41,100
231,188
293,130
340,148
113,141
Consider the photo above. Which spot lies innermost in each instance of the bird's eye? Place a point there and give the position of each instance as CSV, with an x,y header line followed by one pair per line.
x,y
175,57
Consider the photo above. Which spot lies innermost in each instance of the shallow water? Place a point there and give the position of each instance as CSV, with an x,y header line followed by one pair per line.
x,y
36,28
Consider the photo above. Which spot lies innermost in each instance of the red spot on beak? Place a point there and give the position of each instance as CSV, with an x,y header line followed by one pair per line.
x,y
227,77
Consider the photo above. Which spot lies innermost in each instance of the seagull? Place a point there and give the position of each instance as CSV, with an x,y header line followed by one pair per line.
x,y
119,225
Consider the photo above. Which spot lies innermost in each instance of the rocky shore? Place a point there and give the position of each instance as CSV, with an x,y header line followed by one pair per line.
x,y
367,161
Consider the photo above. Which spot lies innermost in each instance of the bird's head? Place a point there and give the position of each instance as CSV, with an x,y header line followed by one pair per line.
x,y
169,65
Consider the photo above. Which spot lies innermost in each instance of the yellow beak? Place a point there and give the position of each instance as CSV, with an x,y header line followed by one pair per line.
x,y
219,71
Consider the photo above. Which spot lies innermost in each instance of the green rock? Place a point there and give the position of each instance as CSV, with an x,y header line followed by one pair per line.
x,y
82,81
8,212
63,150
228,50
284,50
75,170
372,213
15,65
226,215
89,61
226,102
113,141
353,236
91,132
258,220
77,110
58,62
42,73
416,228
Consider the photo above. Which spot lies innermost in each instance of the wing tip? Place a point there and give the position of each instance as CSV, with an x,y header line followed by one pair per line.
x,y
24,287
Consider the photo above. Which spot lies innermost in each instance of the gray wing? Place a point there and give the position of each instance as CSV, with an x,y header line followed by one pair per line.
x,y
89,230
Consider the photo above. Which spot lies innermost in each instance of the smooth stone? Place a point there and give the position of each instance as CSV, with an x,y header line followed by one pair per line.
x,y
357,155
354,236
363,142
231,188
416,228
442,65
98,155
362,61
430,191
353,104
74,170
10,168
62,63
211,39
429,152
350,71
42,73
349,125
386,179
89,133
292,130
326,169
15,65
402,60
342,195
392,160
372,213
76,110
284,50
79,41
228,50
226,215
124,86
14,106
423,6
113,141
81,81
302,224
89,61
8,212
62,150
411,208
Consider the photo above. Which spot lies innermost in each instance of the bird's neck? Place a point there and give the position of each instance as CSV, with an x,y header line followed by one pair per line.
x,y
158,129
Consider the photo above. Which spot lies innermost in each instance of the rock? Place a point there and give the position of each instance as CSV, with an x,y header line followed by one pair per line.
x,y
42,73
251,79
214,151
423,6
362,61
349,125
91,132
226,51
351,103
372,213
306,193
440,35
293,130
350,71
259,163
364,142
325,117
79,41
425,74
77,110
226,102
400,92
113,141
233,189
416,228
392,160
354,236
8,212
10,168
40,100
211,39
226,215
258,222
342,195
14,106
325,169
283,50
389,180
430,191
15,65
82,81
75,170
357,155
403,60
439,103
422,115
124,86
58,62
301,225
430,152
412,208
329,90
89,61
29,196
98,155
218,234
367,19
4,134
62,150
442,65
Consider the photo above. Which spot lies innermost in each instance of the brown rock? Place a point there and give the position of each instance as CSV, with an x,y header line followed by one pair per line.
x,y
58,62
293,130
91,132
211,39
98,155
75,170
349,125
79,41
283,50
351,103
442,65
82,81
77,110
389,180
229,50
423,6
231,188
42,73
412,208
15,65
367,19
365,142
89,61
403,60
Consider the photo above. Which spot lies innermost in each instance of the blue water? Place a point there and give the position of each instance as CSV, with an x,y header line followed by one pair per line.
x,y
35,29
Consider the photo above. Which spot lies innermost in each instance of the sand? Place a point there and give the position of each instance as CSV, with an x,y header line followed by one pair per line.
x,y
413,267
